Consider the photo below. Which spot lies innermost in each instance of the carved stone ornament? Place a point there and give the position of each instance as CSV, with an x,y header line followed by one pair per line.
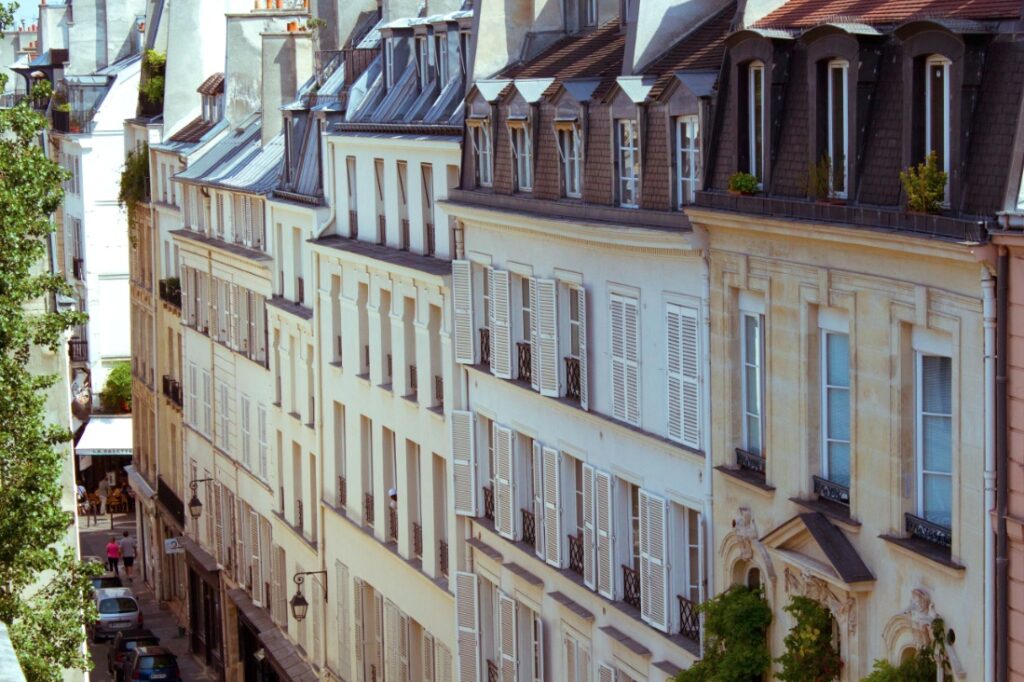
x,y
813,587
742,544
913,628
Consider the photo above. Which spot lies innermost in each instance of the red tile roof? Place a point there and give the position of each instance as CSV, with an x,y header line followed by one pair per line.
x,y
594,54
702,49
214,85
807,13
193,131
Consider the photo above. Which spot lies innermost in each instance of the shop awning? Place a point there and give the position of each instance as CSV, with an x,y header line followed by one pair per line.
x,y
105,437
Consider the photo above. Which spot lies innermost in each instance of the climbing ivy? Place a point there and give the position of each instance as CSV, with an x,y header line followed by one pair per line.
x,y
735,626
811,655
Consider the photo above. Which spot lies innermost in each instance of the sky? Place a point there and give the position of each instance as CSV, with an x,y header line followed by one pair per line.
x,y
28,10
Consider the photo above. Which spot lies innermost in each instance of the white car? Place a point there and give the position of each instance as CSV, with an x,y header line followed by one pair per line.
x,y
118,610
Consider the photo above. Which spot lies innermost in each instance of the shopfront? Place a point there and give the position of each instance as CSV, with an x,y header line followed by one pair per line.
x,y
206,639
102,453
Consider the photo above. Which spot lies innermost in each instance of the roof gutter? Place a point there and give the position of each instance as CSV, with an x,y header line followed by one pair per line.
x,y
1002,459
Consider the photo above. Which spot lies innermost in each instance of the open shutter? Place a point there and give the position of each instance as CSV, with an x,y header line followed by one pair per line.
x,y
538,633
377,669
570,659
603,515
581,306
403,647
462,302
467,624
463,462
606,673
534,335
552,530
504,488
443,659
391,637
507,638
546,314
589,528
218,522
501,332
583,658
427,658
538,499
343,655
360,629
631,326
255,560
653,565
683,375
618,358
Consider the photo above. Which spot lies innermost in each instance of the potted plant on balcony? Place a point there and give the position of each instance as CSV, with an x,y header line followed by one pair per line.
x,y
925,185
744,184
820,182
116,395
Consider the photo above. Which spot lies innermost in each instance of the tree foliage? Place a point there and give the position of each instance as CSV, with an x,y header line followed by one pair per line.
x,y
735,624
810,653
921,666
44,590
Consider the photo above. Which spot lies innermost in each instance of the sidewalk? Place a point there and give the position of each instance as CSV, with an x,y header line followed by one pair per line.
x,y
160,621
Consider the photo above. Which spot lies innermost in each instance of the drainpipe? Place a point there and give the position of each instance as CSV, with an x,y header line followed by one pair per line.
x,y
1002,460
709,537
989,312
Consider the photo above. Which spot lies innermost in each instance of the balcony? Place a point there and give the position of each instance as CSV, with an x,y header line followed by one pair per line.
x,y
78,267
366,358
572,379
387,368
392,524
368,509
689,619
299,515
928,531
342,492
78,349
489,503
417,540
442,557
170,501
172,389
524,355
631,586
405,234
529,527
751,464
485,346
170,291
830,491
576,554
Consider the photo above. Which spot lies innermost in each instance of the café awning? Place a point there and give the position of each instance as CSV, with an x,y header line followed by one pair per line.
x,y
105,437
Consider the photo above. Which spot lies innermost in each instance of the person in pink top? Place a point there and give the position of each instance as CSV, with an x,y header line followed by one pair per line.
x,y
113,554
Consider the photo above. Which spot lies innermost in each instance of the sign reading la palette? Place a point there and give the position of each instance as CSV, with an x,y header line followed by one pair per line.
x,y
105,451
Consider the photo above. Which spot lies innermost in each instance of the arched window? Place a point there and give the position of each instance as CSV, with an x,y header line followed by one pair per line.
x,y
754,577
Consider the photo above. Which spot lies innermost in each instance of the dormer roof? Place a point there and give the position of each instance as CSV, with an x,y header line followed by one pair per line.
x,y
809,13
214,85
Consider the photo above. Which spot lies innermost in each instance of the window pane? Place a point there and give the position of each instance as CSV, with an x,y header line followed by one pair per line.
x,y
753,402
937,384
837,352
757,111
937,441
838,413
839,463
754,435
750,338
937,86
938,499
838,129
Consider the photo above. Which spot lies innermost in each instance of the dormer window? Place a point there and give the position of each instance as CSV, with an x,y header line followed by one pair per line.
x,y
936,109
213,107
838,125
570,156
687,159
628,162
389,63
522,151
464,51
441,54
480,136
752,119
423,61
590,13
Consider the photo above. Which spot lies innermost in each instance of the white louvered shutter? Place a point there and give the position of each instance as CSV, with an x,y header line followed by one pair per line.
x,y
427,658
538,498
653,560
604,516
625,320
683,375
501,332
606,673
552,529
238,303
618,364
463,462
378,603
391,637
359,623
467,623
538,623
589,528
343,656
403,648
507,638
533,333
546,313
583,658
504,486
462,302
581,306
570,659
443,663
256,558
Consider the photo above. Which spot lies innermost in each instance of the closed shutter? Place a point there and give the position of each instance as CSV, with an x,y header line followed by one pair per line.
x,y
553,506
570,659
359,629
467,623
443,663
504,487
403,648
533,335
606,673
462,302
653,564
237,326
501,332
683,375
589,529
186,291
255,559
316,607
378,602
266,559
218,522
625,340
581,306
343,657
391,638
583,665
507,637
538,499
427,658
603,516
463,462
546,314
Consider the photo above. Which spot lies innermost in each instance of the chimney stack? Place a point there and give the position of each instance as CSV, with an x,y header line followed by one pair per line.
x,y
287,63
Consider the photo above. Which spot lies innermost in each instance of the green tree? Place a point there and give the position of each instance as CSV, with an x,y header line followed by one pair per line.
x,y
735,625
810,654
116,395
44,590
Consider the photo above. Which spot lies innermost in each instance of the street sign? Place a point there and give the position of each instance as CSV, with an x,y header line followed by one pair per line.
x,y
173,546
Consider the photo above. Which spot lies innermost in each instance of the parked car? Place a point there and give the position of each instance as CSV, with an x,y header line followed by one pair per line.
x,y
118,610
126,642
107,580
151,663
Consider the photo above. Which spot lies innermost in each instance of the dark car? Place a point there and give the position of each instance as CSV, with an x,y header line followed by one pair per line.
x,y
124,643
150,663
100,582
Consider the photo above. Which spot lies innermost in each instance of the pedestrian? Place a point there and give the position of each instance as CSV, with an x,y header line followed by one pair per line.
x,y
102,492
127,546
113,555
393,498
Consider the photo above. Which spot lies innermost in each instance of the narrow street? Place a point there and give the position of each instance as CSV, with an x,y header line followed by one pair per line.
x,y
161,622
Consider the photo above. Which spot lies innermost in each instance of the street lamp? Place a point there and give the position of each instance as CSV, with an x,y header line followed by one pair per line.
x,y
298,603
195,507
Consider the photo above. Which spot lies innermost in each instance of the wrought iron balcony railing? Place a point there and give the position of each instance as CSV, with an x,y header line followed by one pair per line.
x,y
572,379
342,492
576,554
748,461
392,524
78,349
489,503
485,346
417,540
529,528
368,508
928,530
442,560
525,365
631,586
831,491
689,619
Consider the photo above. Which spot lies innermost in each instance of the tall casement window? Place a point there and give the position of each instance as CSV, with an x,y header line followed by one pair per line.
x,y
934,407
838,125
389,63
687,159
628,162
570,157
480,135
755,119
442,58
624,314
835,407
423,61
936,109
353,208
522,150
752,340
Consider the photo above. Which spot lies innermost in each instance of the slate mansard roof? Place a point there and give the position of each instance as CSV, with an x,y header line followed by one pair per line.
x,y
239,162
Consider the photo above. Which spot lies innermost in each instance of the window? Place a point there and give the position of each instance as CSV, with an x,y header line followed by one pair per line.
x,y
625,346
427,203
569,150
838,126
634,525
207,403
590,18
575,325
389,63
835,407
753,382
522,148
423,61
683,374
480,133
224,428
246,429
628,161
442,58
524,288
687,159
936,109
261,414
755,119
350,178
935,439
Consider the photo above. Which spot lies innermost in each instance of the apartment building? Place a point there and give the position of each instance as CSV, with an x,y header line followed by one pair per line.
x,y
580,321
852,342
